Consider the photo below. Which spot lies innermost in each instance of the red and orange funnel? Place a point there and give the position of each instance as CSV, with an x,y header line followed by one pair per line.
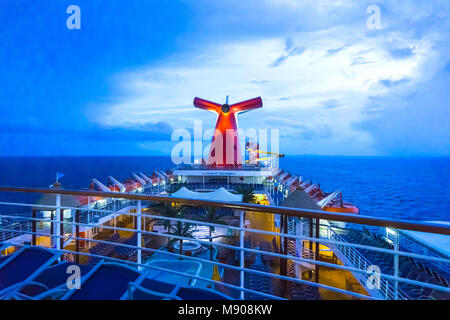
x,y
225,149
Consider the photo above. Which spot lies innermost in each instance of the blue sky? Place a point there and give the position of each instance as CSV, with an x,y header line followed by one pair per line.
x,y
126,80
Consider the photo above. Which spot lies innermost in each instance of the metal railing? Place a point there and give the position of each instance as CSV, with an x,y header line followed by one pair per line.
x,y
388,284
385,287
15,229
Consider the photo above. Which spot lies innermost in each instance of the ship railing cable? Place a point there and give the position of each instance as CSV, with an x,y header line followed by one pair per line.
x,y
392,280
249,250
360,262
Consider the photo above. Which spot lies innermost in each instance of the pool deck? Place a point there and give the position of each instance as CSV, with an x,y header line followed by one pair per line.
x,y
205,272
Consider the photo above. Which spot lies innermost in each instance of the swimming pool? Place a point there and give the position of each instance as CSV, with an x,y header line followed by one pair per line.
x,y
189,267
189,246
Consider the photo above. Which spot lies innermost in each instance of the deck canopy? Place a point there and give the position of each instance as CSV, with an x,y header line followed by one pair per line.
x,y
219,195
300,199
48,199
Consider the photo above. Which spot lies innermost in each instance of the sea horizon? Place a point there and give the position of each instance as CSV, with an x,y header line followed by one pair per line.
x,y
392,187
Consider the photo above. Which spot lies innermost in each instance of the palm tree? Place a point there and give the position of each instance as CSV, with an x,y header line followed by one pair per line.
x,y
247,192
181,229
170,211
211,217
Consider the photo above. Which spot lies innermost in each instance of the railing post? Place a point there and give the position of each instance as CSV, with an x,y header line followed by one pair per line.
x,y
285,239
317,250
283,244
57,218
396,262
33,228
387,289
310,243
139,234
52,227
241,253
77,236
61,228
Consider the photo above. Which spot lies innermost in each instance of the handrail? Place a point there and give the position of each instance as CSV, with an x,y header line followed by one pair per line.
x,y
246,229
293,212
320,263
386,286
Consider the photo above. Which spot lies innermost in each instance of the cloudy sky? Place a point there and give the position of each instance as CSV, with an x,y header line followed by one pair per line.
x,y
127,79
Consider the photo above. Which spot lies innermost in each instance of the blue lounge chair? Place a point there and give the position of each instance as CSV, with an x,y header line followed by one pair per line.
x,y
150,289
145,288
54,277
137,292
143,292
106,281
3,258
24,265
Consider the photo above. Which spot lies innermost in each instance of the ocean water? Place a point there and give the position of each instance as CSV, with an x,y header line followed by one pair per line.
x,y
393,187
405,188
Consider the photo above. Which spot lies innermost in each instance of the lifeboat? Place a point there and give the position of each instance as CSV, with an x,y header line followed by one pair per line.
x,y
131,185
332,202
89,199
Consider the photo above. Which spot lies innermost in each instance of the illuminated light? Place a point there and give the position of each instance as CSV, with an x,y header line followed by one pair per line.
x,y
391,231
101,202
226,129
46,214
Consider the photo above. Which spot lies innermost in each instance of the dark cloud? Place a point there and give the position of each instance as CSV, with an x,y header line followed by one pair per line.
x,y
372,108
129,132
289,51
331,52
147,132
401,53
360,60
416,123
331,104
298,130
259,81
447,67
390,83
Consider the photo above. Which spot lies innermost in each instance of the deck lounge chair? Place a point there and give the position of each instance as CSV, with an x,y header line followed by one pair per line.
x,y
54,277
139,292
3,258
150,289
106,281
24,265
